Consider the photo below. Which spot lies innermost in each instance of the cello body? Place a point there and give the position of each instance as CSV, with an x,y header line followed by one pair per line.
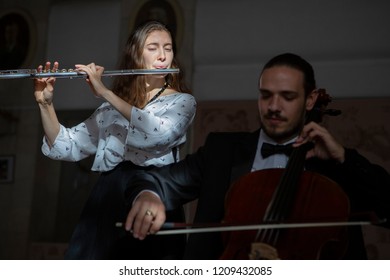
x,y
317,199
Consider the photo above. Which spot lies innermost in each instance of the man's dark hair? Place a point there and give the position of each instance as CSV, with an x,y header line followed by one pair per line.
x,y
296,62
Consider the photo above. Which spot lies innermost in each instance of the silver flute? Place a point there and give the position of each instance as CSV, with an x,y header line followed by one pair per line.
x,y
70,73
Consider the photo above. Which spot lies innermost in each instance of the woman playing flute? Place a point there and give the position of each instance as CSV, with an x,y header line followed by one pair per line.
x,y
140,124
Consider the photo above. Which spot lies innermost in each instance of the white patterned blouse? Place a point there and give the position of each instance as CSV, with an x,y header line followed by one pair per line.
x,y
147,140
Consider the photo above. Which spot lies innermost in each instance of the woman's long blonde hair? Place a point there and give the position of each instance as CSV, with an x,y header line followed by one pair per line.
x,y
132,88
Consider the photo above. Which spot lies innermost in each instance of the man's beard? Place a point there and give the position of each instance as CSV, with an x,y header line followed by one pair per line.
x,y
282,136
285,135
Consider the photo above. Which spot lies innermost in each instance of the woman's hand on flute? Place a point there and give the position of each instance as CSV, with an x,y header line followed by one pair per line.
x,y
44,87
94,78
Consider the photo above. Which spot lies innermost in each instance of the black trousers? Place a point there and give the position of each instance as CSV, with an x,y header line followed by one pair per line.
x,y
97,237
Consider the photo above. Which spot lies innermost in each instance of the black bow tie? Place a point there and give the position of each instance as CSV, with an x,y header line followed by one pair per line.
x,y
270,149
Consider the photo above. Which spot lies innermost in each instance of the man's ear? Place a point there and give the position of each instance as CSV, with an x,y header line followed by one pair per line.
x,y
311,99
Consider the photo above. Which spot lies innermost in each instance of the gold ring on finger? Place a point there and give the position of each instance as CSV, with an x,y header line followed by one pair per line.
x,y
148,213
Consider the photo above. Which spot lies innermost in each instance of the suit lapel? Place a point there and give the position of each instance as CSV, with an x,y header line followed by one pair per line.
x,y
244,155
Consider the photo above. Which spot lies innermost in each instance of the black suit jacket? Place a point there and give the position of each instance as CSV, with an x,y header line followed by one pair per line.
x,y
207,175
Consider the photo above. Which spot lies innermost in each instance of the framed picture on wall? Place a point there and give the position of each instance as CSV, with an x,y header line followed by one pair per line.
x,y
17,39
167,12
7,169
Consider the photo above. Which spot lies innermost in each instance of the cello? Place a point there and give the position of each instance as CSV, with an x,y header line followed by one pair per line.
x,y
283,196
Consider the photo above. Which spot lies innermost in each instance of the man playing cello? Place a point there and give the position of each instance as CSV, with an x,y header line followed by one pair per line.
x,y
287,91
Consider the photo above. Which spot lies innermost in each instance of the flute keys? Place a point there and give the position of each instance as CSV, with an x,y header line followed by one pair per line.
x,y
71,73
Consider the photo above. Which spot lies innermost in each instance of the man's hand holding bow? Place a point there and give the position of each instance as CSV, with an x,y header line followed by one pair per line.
x,y
146,216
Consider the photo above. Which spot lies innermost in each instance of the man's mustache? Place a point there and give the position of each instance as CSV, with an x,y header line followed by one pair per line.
x,y
274,115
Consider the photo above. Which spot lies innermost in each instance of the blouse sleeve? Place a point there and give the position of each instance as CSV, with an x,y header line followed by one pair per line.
x,y
74,144
161,125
